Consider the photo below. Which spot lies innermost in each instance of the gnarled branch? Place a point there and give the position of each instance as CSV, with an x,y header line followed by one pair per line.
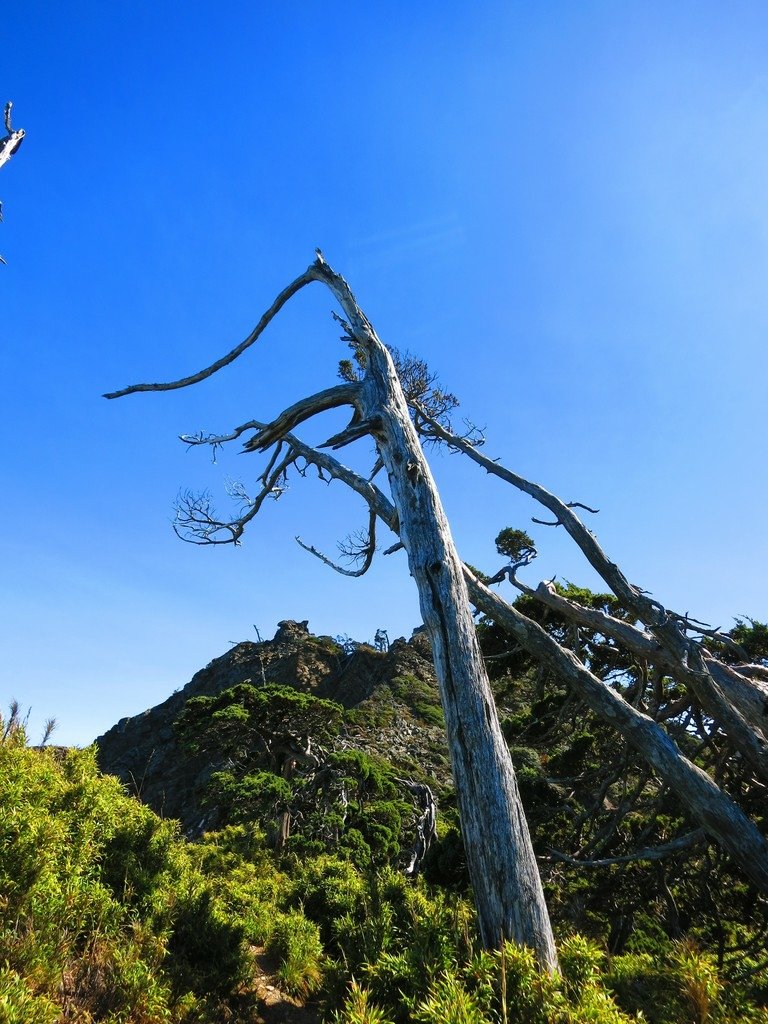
x,y
650,853
366,551
300,412
196,521
309,275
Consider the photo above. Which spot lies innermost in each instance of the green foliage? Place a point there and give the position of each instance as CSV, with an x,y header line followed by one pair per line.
x,y
420,697
345,800
449,1002
19,1005
108,915
452,983
104,914
514,544
360,1009
329,889
295,941
246,721
752,637
257,796
680,982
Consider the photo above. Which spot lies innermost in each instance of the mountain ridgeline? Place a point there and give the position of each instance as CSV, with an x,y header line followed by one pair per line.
x,y
390,699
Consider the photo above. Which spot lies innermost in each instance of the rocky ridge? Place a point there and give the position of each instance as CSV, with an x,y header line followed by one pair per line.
x,y
391,699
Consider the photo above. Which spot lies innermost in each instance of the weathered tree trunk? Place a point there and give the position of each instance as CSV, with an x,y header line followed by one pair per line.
x,y
502,865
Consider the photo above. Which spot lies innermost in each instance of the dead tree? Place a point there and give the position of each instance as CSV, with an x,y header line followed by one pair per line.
x,y
502,866
685,653
9,145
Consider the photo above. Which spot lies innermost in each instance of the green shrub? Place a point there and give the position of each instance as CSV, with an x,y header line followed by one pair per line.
x,y
205,945
449,1002
391,980
328,888
19,1005
358,1009
580,963
104,912
295,941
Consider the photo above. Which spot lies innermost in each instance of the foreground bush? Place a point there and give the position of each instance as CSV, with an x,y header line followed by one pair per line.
x,y
103,914
108,915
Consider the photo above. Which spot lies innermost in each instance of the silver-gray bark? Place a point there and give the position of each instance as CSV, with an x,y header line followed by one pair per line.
x,y
502,866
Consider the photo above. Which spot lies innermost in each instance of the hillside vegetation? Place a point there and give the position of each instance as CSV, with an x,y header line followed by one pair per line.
x,y
294,898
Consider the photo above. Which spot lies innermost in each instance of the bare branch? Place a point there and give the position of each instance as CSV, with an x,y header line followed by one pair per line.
x,y
650,853
579,504
366,552
196,520
629,595
197,523
219,439
353,432
636,641
558,522
309,275
527,555
376,500
304,409
10,143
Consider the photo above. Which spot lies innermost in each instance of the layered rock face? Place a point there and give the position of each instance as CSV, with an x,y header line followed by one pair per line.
x,y
391,697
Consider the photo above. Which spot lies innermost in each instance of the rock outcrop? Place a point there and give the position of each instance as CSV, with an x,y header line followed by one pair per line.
x,y
391,697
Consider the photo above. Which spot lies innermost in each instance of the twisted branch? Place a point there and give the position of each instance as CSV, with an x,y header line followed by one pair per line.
x,y
309,275
366,552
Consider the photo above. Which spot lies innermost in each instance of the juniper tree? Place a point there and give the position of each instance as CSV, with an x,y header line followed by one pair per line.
x,y
502,866
715,676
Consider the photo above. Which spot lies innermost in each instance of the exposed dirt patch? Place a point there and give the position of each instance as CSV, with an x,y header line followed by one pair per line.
x,y
276,1006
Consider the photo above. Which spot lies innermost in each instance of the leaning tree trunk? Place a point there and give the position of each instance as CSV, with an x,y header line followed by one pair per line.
x,y
713,809
502,865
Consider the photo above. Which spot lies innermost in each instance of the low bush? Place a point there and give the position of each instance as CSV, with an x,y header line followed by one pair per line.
x,y
295,942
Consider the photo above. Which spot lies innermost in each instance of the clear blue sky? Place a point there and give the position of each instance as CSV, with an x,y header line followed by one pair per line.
x,y
561,206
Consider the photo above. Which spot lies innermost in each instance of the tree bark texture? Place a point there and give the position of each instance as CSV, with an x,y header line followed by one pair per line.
x,y
502,865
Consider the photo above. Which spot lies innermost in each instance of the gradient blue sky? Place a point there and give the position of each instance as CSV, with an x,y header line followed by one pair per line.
x,y
561,206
